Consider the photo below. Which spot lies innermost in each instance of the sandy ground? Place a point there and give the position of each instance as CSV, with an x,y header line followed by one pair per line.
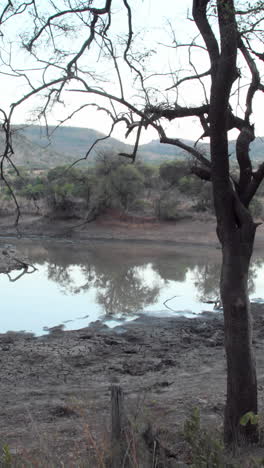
x,y
55,389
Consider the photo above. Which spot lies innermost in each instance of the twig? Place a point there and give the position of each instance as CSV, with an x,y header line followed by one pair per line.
x,y
167,300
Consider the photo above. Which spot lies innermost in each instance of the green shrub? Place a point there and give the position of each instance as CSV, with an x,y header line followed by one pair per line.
x,y
190,185
6,459
33,191
126,183
205,449
168,210
141,205
173,171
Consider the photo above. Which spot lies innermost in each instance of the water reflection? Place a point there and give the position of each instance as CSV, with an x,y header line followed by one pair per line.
x,y
207,280
125,292
76,284
120,285
27,269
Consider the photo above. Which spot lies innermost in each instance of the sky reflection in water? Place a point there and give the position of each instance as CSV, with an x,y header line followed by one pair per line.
x,y
75,285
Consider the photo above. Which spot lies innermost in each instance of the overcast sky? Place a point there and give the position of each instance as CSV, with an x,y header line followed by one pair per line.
x,y
152,18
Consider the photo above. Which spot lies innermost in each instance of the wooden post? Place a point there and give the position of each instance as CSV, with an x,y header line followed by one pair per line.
x,y
119,423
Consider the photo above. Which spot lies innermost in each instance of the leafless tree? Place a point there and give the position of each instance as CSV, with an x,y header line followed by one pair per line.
x,y
230,36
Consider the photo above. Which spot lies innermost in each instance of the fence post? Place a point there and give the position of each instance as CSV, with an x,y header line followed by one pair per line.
x,y
119,426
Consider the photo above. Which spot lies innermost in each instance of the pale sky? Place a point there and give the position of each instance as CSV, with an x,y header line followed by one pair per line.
x,y
152,19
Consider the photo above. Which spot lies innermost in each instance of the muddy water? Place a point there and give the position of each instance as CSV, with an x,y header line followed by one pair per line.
x,y
78,283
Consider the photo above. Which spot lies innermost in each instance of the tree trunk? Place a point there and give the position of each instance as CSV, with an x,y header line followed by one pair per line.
x,y
241,368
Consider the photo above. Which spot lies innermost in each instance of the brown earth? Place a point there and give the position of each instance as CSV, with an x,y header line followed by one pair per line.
x,y
195,230
55,389
113,228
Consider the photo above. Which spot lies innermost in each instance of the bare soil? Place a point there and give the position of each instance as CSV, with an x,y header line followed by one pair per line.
x,y
185,231
55,389
200,229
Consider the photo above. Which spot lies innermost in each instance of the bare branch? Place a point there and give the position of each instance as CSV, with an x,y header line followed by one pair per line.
x,y
188,78
257,178
170,113
95,11
201,172
13,11
255,81
200,18
134,154
85,46
128,45
194,152
246,136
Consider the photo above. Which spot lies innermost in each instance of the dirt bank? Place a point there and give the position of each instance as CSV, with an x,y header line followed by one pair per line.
x,y
198,230
55,389
109,228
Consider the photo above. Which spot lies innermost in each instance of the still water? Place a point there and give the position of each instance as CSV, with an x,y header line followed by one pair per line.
x,y
76,284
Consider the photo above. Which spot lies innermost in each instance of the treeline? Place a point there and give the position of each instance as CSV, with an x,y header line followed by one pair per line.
x,y
167,192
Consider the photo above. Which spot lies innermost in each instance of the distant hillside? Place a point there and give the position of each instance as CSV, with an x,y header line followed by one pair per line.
x,y
155,147
29,154
34,149
159,152
159,148
75,142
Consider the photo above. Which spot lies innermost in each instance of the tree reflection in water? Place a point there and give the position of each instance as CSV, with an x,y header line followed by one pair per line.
x,y
207,280
125,292
120,286
117,273
65,276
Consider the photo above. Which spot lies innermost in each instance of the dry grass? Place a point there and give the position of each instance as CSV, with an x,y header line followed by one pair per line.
x,y
143,446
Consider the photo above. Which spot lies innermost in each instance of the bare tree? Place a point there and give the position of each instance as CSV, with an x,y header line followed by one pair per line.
x,y
232,70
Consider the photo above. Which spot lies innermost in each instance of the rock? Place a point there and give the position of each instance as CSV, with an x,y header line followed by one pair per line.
x,y
98,325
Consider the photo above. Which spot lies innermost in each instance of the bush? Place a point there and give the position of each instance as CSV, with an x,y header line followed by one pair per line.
x,y
35,191
168,210
172,172
142,206
150,174
206,450
204,200
126,183
190,185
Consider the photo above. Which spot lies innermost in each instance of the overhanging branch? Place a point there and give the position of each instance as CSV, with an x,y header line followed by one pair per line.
x,y
194,152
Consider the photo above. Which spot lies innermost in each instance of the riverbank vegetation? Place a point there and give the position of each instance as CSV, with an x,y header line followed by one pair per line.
x,y
168,192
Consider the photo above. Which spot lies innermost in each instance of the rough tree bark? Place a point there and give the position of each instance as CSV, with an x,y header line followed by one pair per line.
x,y
241,369
235,227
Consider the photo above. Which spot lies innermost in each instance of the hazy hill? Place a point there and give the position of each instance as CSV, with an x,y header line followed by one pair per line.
x,y
34,149
29,154
75,142
72,141
155,147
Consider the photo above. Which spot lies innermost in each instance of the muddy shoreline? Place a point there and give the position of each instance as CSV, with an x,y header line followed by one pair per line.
x,y
56,387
